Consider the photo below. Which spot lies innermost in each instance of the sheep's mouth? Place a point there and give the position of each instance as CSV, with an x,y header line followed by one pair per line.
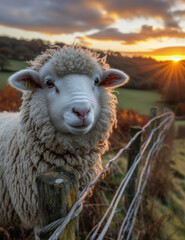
x,y
80,129
79,126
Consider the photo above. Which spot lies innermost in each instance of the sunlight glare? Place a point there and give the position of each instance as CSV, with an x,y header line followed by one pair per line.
x,y
175,59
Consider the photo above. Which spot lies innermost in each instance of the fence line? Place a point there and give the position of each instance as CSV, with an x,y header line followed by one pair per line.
x,y
129,219
127,179
154,150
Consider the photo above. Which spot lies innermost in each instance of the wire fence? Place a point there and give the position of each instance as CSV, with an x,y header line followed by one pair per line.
x,y
157,128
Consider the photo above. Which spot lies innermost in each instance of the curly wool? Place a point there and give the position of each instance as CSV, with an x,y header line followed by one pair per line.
x,y
70,59
31,145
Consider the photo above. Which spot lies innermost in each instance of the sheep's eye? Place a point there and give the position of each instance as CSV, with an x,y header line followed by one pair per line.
x,y
97,81
50,84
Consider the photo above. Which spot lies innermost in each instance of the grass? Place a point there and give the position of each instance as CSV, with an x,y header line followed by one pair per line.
x,y
139,100
175,228
142,101
3,79
14,66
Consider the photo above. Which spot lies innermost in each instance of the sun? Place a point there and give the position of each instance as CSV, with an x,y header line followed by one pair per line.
x,y
175,59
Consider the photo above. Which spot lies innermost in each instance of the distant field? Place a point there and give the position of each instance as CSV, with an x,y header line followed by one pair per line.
x,y
142,101
139,100
15,65
3,78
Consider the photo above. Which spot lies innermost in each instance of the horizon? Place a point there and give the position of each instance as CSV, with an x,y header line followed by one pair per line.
x,y
146,55
155,28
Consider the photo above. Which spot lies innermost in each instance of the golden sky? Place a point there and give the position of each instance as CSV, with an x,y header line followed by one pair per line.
x,y
134,27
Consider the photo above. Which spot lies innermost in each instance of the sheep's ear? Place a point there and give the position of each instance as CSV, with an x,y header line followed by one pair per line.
x,y
113,78
25,80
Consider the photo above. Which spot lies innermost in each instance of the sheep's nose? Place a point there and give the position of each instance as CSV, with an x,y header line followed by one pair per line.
x,y
81,113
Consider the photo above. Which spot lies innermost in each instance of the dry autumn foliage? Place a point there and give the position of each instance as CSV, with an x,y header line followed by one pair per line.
x,y
126,118
10,99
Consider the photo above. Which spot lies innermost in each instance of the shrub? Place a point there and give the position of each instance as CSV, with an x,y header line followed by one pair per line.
x,y
180,109
181,132
10,99
126,118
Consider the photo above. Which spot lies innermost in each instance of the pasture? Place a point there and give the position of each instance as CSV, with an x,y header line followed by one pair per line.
x,y
139,100
14,66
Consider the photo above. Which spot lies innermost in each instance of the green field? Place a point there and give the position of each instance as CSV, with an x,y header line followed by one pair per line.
x,y
15,65
139,100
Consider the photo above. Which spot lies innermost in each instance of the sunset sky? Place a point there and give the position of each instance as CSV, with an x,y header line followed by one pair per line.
x,y
135,27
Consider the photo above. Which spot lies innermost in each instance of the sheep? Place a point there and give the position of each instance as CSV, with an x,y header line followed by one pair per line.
x,y
67,114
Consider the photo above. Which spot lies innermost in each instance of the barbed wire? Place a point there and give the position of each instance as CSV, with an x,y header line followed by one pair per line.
x,y
59,225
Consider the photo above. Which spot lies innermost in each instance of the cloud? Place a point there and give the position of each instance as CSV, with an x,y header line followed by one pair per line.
x,y
53,16
69,16
166,51
83,41
143,8
146,33
180,50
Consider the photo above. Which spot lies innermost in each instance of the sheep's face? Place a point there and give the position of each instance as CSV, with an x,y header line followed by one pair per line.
x,y
73,100
73,104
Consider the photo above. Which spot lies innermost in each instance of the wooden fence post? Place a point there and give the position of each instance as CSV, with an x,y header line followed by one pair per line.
x,y
165,111
153,114
133,152
57,191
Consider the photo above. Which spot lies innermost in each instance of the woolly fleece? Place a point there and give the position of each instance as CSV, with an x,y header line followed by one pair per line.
x,y
29,144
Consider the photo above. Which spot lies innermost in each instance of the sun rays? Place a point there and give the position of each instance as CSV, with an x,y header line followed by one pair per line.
x,y
169,76
172,81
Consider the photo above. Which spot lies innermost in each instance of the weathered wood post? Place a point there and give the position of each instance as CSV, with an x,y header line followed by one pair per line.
x,y
153,114
165,111
164,118
133,152
57,191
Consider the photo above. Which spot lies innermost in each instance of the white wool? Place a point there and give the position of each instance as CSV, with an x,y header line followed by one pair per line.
x,y
30,145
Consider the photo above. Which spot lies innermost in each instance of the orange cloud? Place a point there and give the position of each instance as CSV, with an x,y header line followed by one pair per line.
x,y
146,33
166,53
